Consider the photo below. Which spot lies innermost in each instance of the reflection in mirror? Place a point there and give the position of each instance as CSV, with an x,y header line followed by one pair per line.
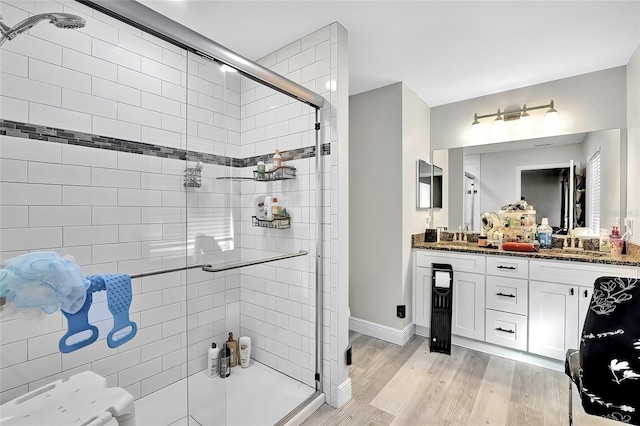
x,y
423,172
429,187
491,176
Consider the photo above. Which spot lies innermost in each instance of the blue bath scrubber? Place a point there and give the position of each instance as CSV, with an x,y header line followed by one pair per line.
x,y
119,297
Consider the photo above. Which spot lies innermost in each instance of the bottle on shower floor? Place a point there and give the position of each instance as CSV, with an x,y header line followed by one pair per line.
x,y
245,351
225,361
213,358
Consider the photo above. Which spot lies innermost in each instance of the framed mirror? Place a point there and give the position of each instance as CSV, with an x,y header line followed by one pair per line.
x,y
484,178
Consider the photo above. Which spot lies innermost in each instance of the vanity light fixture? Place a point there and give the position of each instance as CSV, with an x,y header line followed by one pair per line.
x,y
525,123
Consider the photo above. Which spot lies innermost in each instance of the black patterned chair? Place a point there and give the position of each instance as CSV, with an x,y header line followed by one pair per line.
x,y
606,369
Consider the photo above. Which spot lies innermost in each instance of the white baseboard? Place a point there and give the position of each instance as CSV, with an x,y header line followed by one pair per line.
x,y
382,332
341,394
489,348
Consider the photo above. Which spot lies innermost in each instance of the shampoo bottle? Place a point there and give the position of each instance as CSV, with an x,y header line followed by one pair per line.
x,y
245,351
277,160
225,361
213,369
275,208
233,347
544,233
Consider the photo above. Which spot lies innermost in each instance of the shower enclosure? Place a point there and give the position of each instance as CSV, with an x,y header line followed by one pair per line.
x,y
134,149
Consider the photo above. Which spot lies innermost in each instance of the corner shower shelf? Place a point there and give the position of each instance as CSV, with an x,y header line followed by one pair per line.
x,y
276,223
281,173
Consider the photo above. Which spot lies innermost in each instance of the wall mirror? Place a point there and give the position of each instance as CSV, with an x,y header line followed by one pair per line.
x,y
574,180
429,185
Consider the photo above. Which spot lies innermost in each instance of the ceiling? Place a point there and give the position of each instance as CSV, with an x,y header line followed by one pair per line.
x,y
445,51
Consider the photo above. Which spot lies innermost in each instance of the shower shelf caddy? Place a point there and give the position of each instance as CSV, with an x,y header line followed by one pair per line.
x,y
280,173
275,223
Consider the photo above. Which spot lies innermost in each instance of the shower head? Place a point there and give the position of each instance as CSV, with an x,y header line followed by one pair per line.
x,y
60,20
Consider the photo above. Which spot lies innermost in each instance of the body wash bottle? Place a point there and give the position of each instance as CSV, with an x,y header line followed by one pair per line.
x,y
225,361
245,351
233,347
213,355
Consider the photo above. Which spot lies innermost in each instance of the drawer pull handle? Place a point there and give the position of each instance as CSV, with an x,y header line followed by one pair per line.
x,y
506,331
586,293
513,268
505,295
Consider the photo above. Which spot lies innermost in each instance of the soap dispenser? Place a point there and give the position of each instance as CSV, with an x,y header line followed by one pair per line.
x,y
544,233
616,243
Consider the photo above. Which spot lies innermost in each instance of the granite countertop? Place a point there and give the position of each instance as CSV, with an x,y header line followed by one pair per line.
x,y
594,257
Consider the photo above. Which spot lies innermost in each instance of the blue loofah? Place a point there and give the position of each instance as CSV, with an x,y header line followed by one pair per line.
x,y
43,280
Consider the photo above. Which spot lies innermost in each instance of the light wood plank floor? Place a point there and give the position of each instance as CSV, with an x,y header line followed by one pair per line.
x,y
409,386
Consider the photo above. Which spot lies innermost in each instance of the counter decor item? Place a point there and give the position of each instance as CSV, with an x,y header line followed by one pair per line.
x,y
544,233
430,235
513,246
616,243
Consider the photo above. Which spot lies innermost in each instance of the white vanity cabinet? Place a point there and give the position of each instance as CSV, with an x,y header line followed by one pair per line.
x,y
422,296
507,302
553,319
559,295
468,291
525,308
467,318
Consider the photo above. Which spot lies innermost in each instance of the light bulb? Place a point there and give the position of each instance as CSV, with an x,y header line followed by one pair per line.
x,y
498,124
525,124
551,118
476,131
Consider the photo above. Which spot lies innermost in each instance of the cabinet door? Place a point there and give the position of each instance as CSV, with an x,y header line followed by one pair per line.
x,y
422,297
583,306
468,305
553,319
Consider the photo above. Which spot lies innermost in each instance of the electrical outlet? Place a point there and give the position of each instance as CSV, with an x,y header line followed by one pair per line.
x,y
628,223
401,311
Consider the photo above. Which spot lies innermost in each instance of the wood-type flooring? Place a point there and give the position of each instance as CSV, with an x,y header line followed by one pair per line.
x,y
410,386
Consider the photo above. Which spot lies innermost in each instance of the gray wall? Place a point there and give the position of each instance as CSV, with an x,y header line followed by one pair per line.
x,y
375,204
389,131
415,144
587,102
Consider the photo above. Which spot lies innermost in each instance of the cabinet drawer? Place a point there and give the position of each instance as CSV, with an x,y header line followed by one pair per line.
x,y
459,262
572,273
507,294
508,267
506,329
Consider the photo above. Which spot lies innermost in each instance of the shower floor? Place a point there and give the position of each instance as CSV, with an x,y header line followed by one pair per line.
x,y
257,395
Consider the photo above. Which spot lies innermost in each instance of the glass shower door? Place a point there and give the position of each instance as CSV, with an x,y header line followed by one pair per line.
x,y
233,124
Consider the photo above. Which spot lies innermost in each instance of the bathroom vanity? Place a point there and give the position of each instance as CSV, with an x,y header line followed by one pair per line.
x,y
524,306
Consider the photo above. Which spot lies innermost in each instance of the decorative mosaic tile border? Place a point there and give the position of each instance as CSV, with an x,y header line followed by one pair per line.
x,y
70,137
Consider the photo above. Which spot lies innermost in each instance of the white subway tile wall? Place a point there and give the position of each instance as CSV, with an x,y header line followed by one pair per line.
x,y
114,211
117,211
278,300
